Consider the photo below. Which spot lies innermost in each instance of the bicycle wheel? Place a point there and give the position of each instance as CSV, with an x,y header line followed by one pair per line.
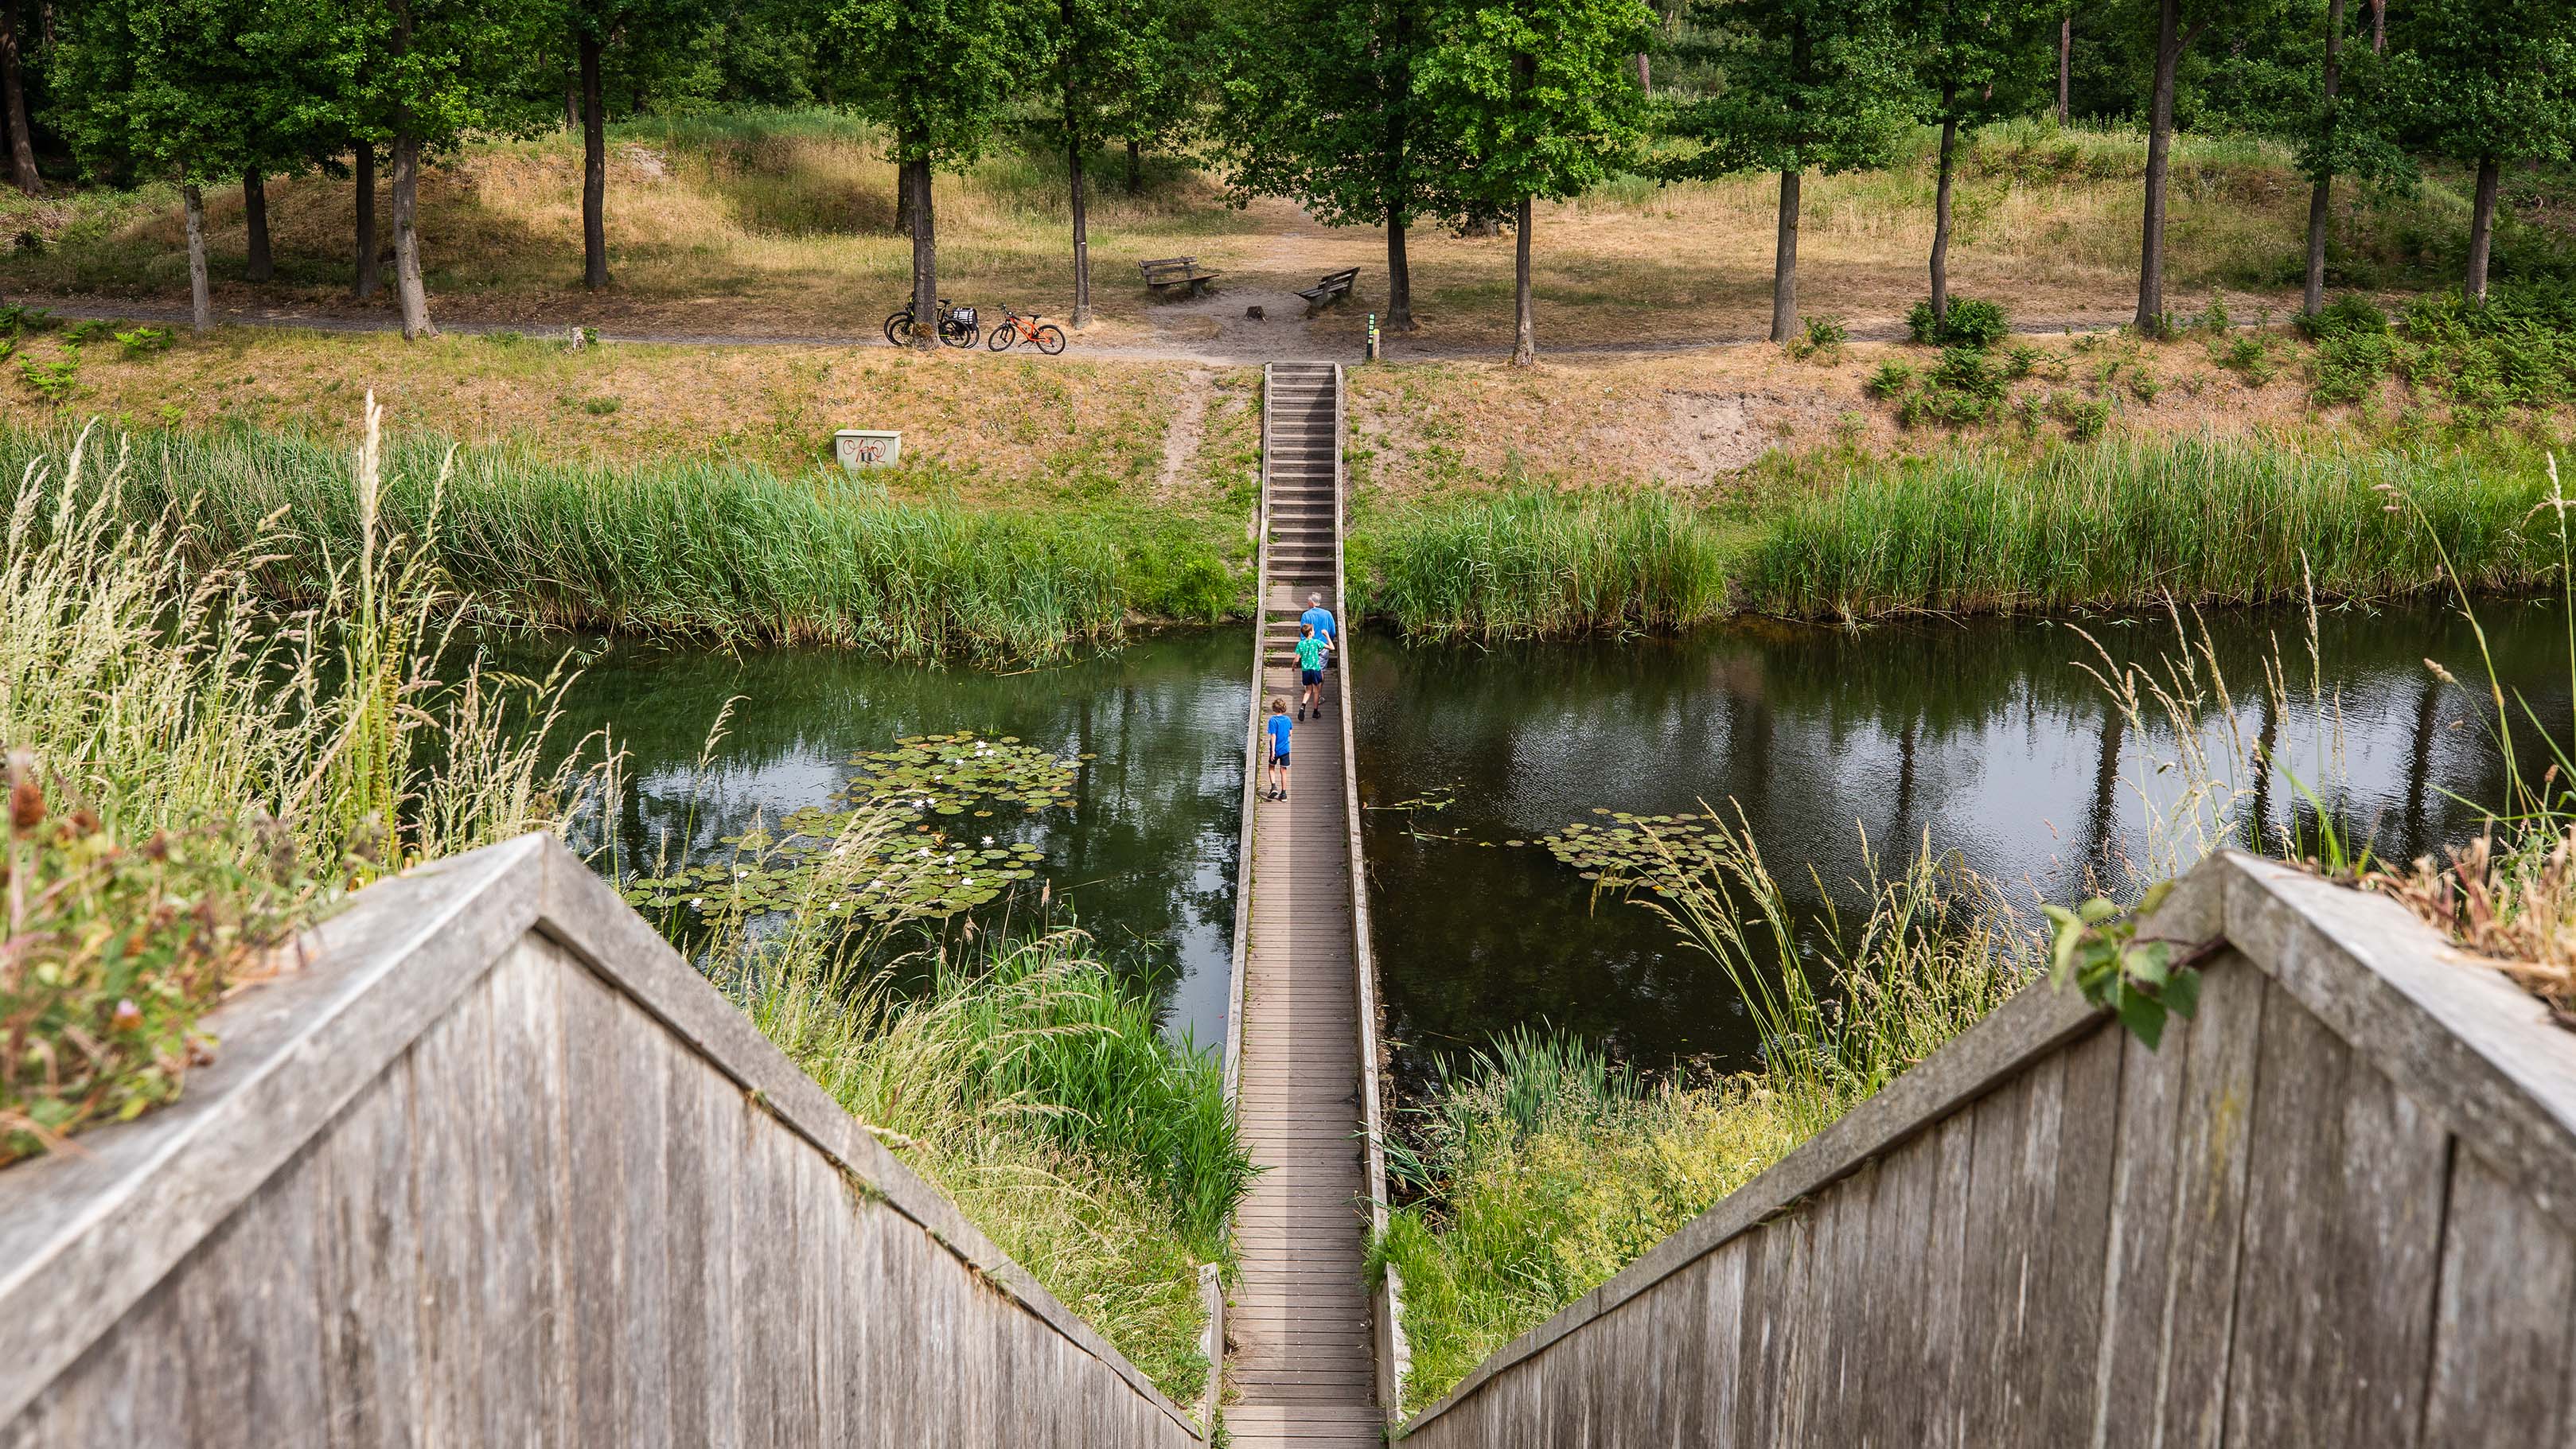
x,y
1002,338
1050,340
899,329
965,336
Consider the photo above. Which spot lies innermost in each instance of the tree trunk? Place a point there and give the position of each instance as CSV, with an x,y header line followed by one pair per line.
x,y
1135,167
13,98
262,264
1784,263
2482,226
1081,224
2151,245
925,258
594,169
201,304
1524,324
1941,211
407,284
572,104
1399,278
368,278
2065,66
2378,27
2321,195
1645,73
902,198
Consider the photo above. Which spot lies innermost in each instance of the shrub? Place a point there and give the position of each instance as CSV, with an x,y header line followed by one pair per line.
x,y
1890,379
1973,322
143,340
2348,315
2021,359
113,954
92,329
1824,338
2349,365
54,381
16,319
2146,387
2085,417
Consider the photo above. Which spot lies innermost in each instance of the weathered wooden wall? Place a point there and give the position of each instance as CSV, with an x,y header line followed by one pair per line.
x,y
498,1168
2337,1209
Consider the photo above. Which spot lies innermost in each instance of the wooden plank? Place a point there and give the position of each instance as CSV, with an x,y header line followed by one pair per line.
x,y
367,1269
2335,1292
2504,1349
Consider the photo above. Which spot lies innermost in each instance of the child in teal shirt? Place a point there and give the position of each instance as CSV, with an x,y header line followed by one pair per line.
x,y
1310,673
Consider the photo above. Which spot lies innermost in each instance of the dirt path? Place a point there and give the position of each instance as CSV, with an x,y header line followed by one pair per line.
x,y
1214,330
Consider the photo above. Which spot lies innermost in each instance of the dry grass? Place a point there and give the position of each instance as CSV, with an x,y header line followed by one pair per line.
x,y
2516,906
781,224
997,429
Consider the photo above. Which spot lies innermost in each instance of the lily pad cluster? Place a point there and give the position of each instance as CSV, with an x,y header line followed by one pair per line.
x,y
1633,850
940,786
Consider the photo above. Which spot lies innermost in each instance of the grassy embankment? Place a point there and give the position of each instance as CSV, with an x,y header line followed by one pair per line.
x,y
2111,525
783,223
722,551
192,778
1538,1170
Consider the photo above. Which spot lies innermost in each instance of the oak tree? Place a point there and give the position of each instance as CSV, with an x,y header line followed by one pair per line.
x,y
2486,84
1540,100
1810,85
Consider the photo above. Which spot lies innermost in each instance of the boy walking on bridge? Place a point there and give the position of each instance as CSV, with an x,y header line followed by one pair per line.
x,y
1279,727
1310,673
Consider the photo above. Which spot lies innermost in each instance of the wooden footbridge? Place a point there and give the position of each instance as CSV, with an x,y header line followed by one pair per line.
x,y
1315,1355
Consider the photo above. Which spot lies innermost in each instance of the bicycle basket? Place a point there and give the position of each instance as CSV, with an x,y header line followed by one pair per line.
x,y
963,316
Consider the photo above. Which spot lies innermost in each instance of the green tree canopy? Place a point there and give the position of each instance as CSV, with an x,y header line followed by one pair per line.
x,y
1338,125
2486,84
1809,85
940,75
1540,99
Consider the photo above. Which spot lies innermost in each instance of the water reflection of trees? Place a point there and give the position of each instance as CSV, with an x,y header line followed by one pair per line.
x,y
1986,733
1145,859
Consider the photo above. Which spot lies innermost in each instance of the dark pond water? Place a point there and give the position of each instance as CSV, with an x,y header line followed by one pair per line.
x,y
1144,860
1985,734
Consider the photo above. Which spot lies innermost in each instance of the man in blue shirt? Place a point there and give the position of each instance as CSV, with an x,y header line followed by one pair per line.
x,y
1279,727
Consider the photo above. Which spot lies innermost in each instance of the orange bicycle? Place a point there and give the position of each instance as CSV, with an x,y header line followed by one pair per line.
x,y
1024,327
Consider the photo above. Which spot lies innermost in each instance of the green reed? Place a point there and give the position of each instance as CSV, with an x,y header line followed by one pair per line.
x,y
2128,522
1534,563
1035,1090
712,549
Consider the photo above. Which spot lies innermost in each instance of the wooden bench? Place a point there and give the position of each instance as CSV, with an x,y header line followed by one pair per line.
x,y
1331,288
1176,273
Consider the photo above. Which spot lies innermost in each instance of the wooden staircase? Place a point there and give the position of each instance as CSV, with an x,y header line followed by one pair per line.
x,y
1301,1323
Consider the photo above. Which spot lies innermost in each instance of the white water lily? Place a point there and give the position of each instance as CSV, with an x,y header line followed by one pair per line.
x,y
988,840
968,883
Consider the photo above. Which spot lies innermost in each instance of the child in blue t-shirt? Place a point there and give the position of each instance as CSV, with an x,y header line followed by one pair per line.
x,y
1279,725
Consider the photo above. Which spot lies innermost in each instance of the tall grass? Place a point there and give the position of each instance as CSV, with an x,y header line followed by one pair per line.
x,y
1033,1088
1541,1170
2124,523
1533,563
720,551
147,697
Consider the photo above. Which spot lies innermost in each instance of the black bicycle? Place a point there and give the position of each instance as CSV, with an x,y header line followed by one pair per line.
x,y
957,326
